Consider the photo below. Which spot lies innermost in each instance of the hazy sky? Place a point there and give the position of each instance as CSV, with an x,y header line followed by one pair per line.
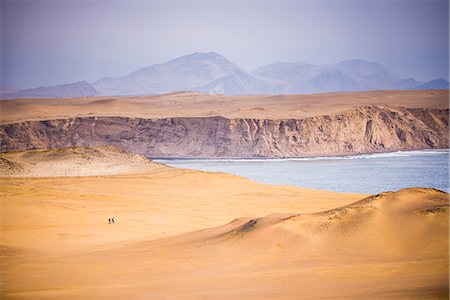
x,y
53,42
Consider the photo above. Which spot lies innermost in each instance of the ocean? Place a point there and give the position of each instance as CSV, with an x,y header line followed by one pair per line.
x,y
370,174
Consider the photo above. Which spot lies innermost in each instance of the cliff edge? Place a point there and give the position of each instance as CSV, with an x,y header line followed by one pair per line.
x,y
361,130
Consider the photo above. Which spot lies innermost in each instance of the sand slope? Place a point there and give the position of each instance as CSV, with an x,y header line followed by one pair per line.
x,y
75,161
170,241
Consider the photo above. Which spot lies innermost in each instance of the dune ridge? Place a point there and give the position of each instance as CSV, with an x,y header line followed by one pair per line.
x,y
75,161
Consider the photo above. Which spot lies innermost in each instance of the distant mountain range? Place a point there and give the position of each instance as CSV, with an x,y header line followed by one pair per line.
x,y
214,74
70,90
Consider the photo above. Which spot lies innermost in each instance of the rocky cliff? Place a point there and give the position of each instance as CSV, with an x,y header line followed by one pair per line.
x,y
362,130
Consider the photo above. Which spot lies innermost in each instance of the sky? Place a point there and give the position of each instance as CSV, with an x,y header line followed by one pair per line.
x,y
53,42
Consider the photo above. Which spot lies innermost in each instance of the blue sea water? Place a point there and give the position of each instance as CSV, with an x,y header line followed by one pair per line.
x,y
371,173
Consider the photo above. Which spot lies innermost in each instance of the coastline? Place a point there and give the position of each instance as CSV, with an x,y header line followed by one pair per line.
x,y
367,173
306,158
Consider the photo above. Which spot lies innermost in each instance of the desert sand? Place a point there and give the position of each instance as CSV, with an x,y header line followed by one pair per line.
x,y
75,161
183,234
189,104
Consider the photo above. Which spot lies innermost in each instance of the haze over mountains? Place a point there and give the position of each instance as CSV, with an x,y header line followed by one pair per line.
x,y
214,74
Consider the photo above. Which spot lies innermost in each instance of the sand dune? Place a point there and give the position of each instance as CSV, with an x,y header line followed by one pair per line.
x,y
75,161
170,241
201,105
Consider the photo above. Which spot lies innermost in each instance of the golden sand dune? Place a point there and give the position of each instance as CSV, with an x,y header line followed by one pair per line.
x,y
75,161
387,246
190,104
169,241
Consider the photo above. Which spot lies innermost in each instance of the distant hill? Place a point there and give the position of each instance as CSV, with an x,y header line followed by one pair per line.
x,y
433,85
345,76
241,83
212,73
76,89
202,72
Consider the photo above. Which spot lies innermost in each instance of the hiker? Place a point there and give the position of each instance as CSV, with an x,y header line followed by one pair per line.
x,y
109,221
112,220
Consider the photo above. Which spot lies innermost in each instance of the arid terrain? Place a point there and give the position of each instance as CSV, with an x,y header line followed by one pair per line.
x,y
224,150
182,234
197,125
189,104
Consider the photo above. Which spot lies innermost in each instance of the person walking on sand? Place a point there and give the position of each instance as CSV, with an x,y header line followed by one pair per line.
x,y
109,221
112,220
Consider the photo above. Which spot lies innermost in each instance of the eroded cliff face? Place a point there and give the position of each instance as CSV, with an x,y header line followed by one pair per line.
x,y
363,130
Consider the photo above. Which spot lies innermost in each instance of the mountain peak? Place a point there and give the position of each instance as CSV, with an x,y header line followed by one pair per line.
x,y
205,55
436,84
185,73
440,80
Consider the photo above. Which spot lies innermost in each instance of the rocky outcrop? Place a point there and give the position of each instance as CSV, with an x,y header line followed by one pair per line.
x,y
363,130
